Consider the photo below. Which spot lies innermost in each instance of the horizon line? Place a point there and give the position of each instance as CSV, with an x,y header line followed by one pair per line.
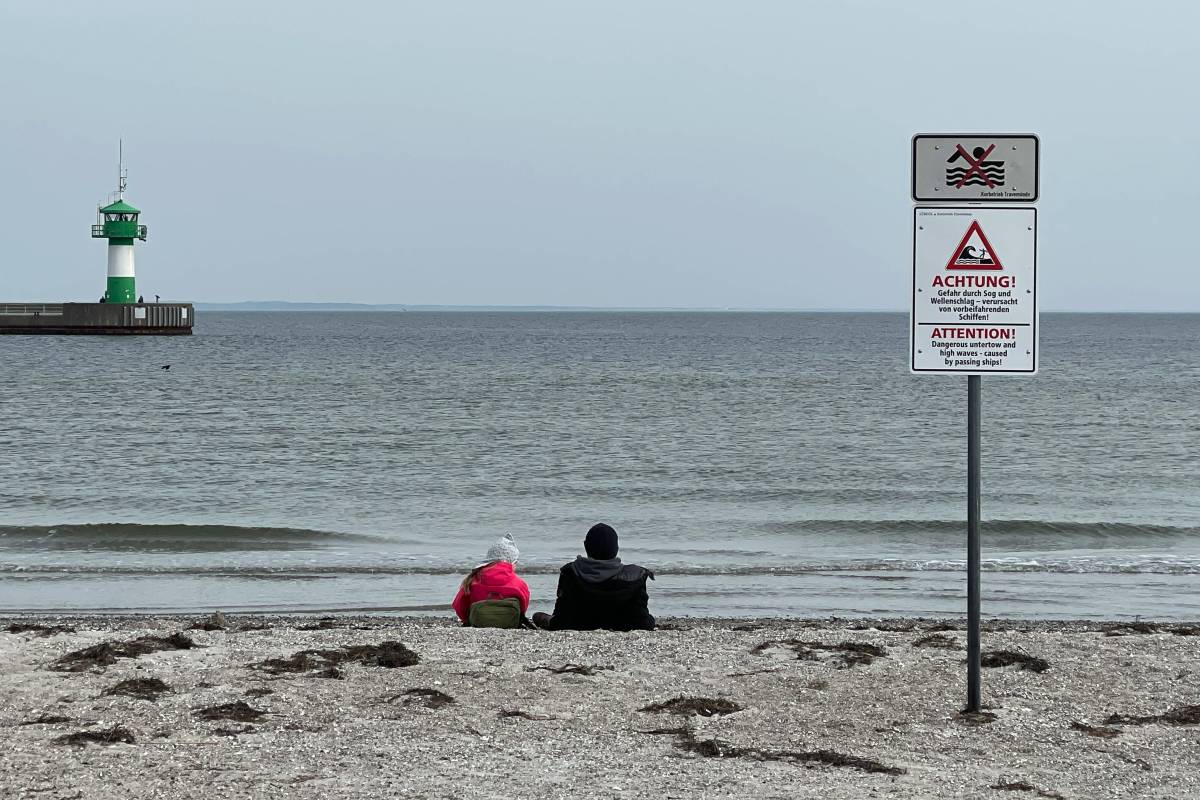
x,y
334,305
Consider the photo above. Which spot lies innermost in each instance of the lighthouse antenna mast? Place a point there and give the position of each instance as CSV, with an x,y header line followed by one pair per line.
x,y
122,174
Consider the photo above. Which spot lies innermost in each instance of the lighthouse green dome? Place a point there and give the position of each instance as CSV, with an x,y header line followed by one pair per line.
x,y
119,207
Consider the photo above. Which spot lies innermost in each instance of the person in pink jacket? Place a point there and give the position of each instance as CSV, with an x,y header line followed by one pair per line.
x,y
494,579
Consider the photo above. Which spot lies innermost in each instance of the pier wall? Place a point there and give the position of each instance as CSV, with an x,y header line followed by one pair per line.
x,y
150,319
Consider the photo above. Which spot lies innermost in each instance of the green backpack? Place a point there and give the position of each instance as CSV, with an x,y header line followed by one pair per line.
x,y
504,613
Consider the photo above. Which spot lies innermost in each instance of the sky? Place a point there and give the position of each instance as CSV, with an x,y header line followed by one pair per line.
x,y
652,154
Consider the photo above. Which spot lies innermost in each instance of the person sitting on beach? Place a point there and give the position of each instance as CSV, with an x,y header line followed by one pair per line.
x,y
598,592
492,596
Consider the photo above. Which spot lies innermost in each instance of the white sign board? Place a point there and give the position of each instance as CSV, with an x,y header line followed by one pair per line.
x,y
974,167
974,292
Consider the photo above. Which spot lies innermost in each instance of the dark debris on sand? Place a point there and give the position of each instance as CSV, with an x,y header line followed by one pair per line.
x,y
330,623
1182,715
508,713
1007,658
1129,628
1097,731
848,654
215,622
141,688
258,691
46,719
1026,786
571,669
237,711
36,628
975,717
715,748
430,698
102,655
938,640
703,706
385,654
114,735
233,731
322,624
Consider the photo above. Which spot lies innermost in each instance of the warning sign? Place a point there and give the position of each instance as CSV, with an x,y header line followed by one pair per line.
x,y
974,294
953,168
974,251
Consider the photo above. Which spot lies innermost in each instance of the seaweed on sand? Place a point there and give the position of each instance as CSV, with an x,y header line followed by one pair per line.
x,y
847,654
46,719
233,731
40,630
322,624
115,734
1006,658
106,653
215,622
1094,730
1181,715
573,669
430,698
938,640
975,717
703,706
506,713
715,748
237,711
141,688
385,654
1026,786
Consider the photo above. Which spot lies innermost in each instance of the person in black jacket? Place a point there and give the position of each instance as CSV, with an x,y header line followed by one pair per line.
x,y
598,592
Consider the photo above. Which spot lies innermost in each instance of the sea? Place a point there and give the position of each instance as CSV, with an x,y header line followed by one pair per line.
x,y
760,464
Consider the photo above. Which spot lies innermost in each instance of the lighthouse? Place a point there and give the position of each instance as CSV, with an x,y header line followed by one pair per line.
x,y
118,222
120,311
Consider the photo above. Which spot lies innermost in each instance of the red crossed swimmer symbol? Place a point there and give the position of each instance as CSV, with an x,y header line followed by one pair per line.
x,y
976,167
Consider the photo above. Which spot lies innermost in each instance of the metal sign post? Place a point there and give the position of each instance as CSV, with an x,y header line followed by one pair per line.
x,y
974,415
974,294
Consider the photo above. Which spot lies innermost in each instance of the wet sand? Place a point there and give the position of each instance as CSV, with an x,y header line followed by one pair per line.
x,y
298,707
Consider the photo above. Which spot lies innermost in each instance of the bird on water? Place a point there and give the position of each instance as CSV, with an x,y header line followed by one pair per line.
x,y
165,366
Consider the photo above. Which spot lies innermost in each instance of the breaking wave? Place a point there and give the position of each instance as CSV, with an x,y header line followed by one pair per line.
x,y
1041,529
167,538
1134,566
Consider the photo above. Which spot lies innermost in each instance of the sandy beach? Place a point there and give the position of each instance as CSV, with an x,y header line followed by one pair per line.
x,y
306,707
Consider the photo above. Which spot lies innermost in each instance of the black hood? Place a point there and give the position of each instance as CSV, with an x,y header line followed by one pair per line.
x,y
597,570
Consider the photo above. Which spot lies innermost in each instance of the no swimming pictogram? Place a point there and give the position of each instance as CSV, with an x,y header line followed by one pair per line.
x,y
976,171
974,251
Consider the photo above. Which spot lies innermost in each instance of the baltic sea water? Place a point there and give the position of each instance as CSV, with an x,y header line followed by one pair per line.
x,y
759,463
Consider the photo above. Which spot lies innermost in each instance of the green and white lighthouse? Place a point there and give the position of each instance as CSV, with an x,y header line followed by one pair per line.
x,y
118,222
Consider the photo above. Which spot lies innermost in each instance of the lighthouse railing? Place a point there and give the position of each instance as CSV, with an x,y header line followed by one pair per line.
x,y
31,309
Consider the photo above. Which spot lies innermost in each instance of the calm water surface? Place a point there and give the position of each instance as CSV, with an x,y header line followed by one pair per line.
x,y
759,463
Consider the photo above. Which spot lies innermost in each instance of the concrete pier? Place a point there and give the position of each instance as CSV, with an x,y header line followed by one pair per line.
x,y
120,319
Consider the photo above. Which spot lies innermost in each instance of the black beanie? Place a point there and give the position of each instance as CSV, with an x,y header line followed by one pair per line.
x,y
601,542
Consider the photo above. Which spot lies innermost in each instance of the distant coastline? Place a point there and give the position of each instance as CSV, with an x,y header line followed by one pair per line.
x,y
283,305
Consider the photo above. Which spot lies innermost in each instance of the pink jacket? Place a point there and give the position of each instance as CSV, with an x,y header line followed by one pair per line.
x,y
494,582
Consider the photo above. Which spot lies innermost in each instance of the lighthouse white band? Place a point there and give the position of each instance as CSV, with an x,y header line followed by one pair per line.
x,y
120,261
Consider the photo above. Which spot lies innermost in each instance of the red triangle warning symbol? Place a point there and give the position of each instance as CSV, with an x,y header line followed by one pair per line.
x,y
974,251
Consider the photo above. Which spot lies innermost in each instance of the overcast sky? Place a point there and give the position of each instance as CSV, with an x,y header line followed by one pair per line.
x,y
699,154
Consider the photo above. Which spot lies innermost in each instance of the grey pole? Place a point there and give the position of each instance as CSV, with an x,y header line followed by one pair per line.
x,y
974,409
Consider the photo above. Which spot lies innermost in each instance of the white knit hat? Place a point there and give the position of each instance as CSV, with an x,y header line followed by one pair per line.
x,y
503,549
